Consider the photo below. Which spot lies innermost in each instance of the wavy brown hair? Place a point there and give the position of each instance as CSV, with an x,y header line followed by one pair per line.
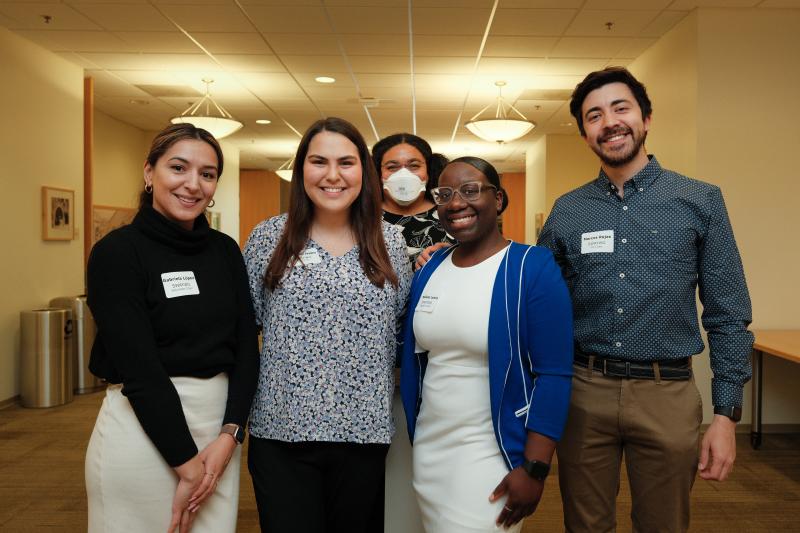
x,y
365,213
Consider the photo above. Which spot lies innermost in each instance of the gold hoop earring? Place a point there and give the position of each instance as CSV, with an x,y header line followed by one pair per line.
x,y
212,203
148,188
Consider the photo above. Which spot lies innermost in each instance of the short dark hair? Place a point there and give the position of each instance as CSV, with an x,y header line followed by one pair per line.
x,y
488,170
170,135
599,78
434,162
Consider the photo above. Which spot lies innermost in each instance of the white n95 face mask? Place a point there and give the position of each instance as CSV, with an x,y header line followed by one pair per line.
x,y
404,186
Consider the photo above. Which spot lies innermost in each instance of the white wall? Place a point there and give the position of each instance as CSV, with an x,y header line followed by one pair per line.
x,y
227,196
41,143
535,173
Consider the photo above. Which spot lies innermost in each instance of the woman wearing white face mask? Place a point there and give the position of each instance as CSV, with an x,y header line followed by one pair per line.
x,y
408,169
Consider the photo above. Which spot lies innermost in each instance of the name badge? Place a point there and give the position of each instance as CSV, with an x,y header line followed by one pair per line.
x,y
179,284
597,242
427,303
310,256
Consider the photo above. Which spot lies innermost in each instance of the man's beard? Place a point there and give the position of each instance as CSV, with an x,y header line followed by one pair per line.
x,y
620,159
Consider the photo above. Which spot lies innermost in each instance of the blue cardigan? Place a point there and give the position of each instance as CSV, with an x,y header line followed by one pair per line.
x,y
530,349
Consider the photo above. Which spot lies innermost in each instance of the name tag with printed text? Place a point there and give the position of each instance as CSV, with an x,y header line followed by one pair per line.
x,y
597,242
179,284
310,256
427,303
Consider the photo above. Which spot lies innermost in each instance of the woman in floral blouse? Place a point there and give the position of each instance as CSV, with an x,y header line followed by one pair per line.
x,y
329,280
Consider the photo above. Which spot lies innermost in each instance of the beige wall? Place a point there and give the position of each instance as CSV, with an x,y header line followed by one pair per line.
x,y
720,115
227,195
570,164
118,158
42,144
535,172
748,138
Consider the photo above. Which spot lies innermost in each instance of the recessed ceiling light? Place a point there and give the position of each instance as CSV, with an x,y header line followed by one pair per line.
x,y
566,124
263,121
324,79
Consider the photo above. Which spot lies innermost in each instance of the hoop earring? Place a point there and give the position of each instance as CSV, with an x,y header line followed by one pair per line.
x,y
212,203
148,188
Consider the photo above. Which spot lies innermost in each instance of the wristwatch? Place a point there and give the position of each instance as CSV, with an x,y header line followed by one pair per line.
x,y
234,430
536,469
734,413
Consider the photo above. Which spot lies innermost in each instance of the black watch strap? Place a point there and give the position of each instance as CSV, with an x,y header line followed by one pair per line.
x,y
734,413
536,469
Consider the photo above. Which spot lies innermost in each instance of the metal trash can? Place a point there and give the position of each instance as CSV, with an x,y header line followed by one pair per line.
x,y
83,334
46,359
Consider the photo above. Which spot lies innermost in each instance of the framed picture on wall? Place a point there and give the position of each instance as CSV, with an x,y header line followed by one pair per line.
x,y
106,218
58,214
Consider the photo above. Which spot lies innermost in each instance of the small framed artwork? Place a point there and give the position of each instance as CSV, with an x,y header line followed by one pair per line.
x,y
106,218
58,214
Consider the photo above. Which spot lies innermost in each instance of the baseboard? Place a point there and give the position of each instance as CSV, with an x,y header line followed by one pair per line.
x,y
9,402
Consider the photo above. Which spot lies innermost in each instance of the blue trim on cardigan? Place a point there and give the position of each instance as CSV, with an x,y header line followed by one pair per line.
x,y
530,349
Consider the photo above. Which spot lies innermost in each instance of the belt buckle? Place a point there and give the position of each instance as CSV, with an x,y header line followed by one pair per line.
x,y
627,369
605,366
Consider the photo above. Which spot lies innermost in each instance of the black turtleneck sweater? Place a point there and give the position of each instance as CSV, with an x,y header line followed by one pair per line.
x,y
144,337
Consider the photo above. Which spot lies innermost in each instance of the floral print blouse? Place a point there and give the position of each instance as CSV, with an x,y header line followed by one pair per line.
x,y
329,342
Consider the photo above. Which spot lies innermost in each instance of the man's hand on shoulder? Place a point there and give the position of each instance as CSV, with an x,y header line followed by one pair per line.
x,y
718,449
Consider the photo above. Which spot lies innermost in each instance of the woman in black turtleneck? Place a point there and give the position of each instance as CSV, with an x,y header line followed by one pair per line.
x,y
176,339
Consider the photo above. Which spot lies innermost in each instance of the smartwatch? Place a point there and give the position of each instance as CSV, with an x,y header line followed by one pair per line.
x,y
734,413
536,469
234,430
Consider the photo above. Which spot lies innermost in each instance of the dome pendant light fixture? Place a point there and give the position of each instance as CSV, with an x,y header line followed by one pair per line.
x,y
504,126
209,115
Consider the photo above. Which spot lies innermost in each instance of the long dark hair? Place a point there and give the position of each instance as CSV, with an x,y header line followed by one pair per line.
x,y
434,163
365,213
170,135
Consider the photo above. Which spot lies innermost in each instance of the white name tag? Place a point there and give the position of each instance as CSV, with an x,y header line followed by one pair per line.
x,y
597,242
427,303
310,256
179,284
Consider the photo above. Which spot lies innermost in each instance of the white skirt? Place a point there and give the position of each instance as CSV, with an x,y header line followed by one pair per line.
x,y
129,484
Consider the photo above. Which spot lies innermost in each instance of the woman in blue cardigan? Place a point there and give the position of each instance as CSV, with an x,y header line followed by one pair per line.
x,y
486,363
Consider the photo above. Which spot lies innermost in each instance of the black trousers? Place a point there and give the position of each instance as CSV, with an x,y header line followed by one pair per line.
x,y
316,487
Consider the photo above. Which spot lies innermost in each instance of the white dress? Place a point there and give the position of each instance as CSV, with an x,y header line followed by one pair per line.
x,y
457,462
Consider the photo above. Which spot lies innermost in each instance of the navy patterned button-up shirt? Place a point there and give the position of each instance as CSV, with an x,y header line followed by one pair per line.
x,y
633,266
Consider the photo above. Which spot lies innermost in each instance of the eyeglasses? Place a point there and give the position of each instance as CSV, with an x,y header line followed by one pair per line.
x,y
469,192
412,166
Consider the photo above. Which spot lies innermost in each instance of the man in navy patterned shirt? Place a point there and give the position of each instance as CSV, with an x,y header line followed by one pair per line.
x,y
634,245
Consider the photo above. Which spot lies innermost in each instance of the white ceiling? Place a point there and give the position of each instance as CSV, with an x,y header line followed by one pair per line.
x,y
264,55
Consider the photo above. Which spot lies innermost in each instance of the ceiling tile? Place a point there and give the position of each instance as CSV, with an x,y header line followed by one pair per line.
x,y
627,4
589,46
126,17
108,85
370,20
250,63
272,86
369,82
29,16
211,18
531,21
308,79
446,45
317,64
289,19
540,67
519,46
77,41
447,21
625,23
303,44
371,45
791,4
380,64
175,62
691,4
171,42
441,65
232,43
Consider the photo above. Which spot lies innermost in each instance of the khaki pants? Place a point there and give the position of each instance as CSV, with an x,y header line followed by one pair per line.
x,y
656,425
